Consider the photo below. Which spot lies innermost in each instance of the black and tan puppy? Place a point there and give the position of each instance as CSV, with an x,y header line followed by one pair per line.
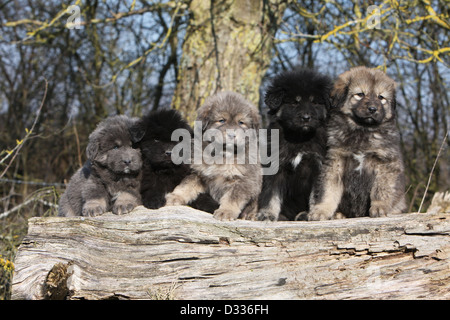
x,y
363,174
160,175
298,103
224,164
110,178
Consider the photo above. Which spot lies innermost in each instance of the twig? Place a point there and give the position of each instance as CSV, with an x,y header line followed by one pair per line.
x,y
19,146
413,198
77,140
432,169
23,204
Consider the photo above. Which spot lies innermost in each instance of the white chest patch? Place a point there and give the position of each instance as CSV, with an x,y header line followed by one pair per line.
x,y
377,136
296,161
360,158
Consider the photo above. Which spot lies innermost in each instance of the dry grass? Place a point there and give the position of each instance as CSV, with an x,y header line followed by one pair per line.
x,y
14,226
166,292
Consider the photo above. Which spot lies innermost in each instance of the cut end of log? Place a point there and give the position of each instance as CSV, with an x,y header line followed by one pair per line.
x,y
56,286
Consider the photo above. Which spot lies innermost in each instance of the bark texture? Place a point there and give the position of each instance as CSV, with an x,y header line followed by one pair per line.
x,y
183,253
227,47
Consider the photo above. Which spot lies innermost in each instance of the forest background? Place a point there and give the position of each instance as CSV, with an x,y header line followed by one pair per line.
x,y
65,65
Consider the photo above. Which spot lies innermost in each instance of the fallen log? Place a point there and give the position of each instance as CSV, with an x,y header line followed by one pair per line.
x,y
183,253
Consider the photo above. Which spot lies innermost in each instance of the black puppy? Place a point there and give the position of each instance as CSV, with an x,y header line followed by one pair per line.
x,y
159,174
298,102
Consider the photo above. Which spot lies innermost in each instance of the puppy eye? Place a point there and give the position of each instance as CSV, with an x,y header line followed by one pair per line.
x,y
116,147
383,99
358,96
241,123
221,121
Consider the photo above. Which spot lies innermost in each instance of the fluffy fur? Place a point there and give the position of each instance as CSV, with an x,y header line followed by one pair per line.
x,y
363,173
110,178
298,103
235,186
153,136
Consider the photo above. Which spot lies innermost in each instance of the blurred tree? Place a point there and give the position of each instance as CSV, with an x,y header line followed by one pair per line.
x,y
228,46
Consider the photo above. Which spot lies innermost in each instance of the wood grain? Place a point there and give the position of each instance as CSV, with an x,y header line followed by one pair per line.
x,y
183,253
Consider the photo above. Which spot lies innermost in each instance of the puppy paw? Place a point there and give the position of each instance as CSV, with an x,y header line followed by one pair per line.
x,y
319,214
266,215
174,200
339,215
94,208
123,208
251,217
225,214
378,210
124,202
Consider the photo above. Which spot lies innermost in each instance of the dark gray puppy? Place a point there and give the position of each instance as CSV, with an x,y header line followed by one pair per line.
x,y
110,178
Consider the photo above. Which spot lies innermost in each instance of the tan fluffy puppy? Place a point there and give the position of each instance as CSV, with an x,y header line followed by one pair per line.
x,y
363,173
229,167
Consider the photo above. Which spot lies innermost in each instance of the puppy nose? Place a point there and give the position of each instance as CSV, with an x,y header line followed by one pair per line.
x,y
127,162
372,109
306,117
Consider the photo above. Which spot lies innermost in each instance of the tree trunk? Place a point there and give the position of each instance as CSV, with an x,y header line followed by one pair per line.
x,y
227,47
183,253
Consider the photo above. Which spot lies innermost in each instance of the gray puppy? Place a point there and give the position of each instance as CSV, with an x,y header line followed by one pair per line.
x,y
110,178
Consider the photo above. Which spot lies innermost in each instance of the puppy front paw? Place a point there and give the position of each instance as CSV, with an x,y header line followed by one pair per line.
x,y
124,202
93,208
225,214
378,210
318,214
123,207
174,200
267,215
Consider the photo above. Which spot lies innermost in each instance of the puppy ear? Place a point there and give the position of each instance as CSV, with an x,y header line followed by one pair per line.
x,y
137,131
394,102
205,124
274,98
256,120
93,151
92,148
340,91
203,115
327,101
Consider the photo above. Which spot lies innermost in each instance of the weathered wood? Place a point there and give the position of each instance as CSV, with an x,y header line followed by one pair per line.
x,y
182,253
